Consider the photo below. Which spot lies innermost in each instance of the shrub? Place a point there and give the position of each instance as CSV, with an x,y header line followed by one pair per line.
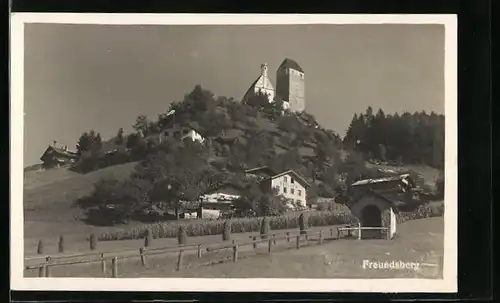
x,y
264,227
40,247
226,234
302,223
93,242
61,244
148,240
182,235
429,210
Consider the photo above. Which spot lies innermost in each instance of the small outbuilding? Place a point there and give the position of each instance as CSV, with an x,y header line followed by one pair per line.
x,y
374,203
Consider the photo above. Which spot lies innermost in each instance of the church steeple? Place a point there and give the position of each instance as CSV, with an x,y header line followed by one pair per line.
x,y
263,69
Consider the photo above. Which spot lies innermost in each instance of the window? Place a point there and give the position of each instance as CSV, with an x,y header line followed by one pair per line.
x,y
292,191
299,192
291,180
284,190
285,179
277,188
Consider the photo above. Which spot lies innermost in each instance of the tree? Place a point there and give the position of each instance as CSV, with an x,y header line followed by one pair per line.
x,y
382,152
255,202
141,125
119,137
182,175
89,141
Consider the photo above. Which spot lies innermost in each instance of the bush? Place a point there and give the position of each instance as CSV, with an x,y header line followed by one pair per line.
x,y
40,248
226,234
264,227
302,224
61,244
429,210
148,240
93,242
182,235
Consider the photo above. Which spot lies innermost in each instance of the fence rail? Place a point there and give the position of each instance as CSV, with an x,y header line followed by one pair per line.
x,y
104,257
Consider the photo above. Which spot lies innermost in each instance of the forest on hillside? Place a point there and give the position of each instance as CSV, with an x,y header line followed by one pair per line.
x,y
239,136
416,138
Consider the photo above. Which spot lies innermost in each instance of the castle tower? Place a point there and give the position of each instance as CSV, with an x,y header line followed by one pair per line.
x,y
290,85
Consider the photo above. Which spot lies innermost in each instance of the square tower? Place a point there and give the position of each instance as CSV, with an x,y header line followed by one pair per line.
x,y
290,85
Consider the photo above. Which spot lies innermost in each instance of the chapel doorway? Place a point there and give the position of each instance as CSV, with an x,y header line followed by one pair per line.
x,y
371,217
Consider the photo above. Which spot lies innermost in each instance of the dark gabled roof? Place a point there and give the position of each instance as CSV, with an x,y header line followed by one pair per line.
x,y
264,169
289,63
60,152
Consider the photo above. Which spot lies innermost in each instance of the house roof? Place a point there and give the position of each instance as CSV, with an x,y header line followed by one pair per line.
x,y
59,151
264,169
289,63
401,177
291,172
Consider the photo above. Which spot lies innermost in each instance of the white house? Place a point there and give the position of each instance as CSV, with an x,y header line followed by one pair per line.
x,y
184,131
289,185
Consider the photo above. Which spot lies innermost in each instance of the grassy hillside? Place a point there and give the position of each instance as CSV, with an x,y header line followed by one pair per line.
x,y
59,187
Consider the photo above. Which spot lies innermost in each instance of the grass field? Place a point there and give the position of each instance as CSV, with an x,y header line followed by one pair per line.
x,y
417,241
48,210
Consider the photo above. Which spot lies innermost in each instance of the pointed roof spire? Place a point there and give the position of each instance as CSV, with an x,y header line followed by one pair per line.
x,y
263,69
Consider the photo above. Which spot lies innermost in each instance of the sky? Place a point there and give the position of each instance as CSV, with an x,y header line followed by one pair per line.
x,y
81,77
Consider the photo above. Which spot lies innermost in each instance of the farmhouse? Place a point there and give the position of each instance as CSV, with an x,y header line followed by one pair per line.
x,y
55,156
222,198
288,184
182,131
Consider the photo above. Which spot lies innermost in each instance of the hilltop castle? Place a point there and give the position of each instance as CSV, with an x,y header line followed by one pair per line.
x,y
290,85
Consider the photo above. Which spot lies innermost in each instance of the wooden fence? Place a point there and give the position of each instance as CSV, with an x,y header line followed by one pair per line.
x,y
44,269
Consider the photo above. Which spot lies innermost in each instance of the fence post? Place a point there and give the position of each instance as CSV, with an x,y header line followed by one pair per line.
x,y
338,233
331,232
114,262
143,256
270,245
179,260
41,270
359,232
47,268
235,253
254,242
320,236
103,264
199,251
274,239
298,241
288,236
440,271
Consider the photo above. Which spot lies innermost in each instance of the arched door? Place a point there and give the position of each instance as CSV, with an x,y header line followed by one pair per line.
x,y
371,217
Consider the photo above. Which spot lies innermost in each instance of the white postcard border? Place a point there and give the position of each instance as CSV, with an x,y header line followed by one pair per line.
x,y
18,282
